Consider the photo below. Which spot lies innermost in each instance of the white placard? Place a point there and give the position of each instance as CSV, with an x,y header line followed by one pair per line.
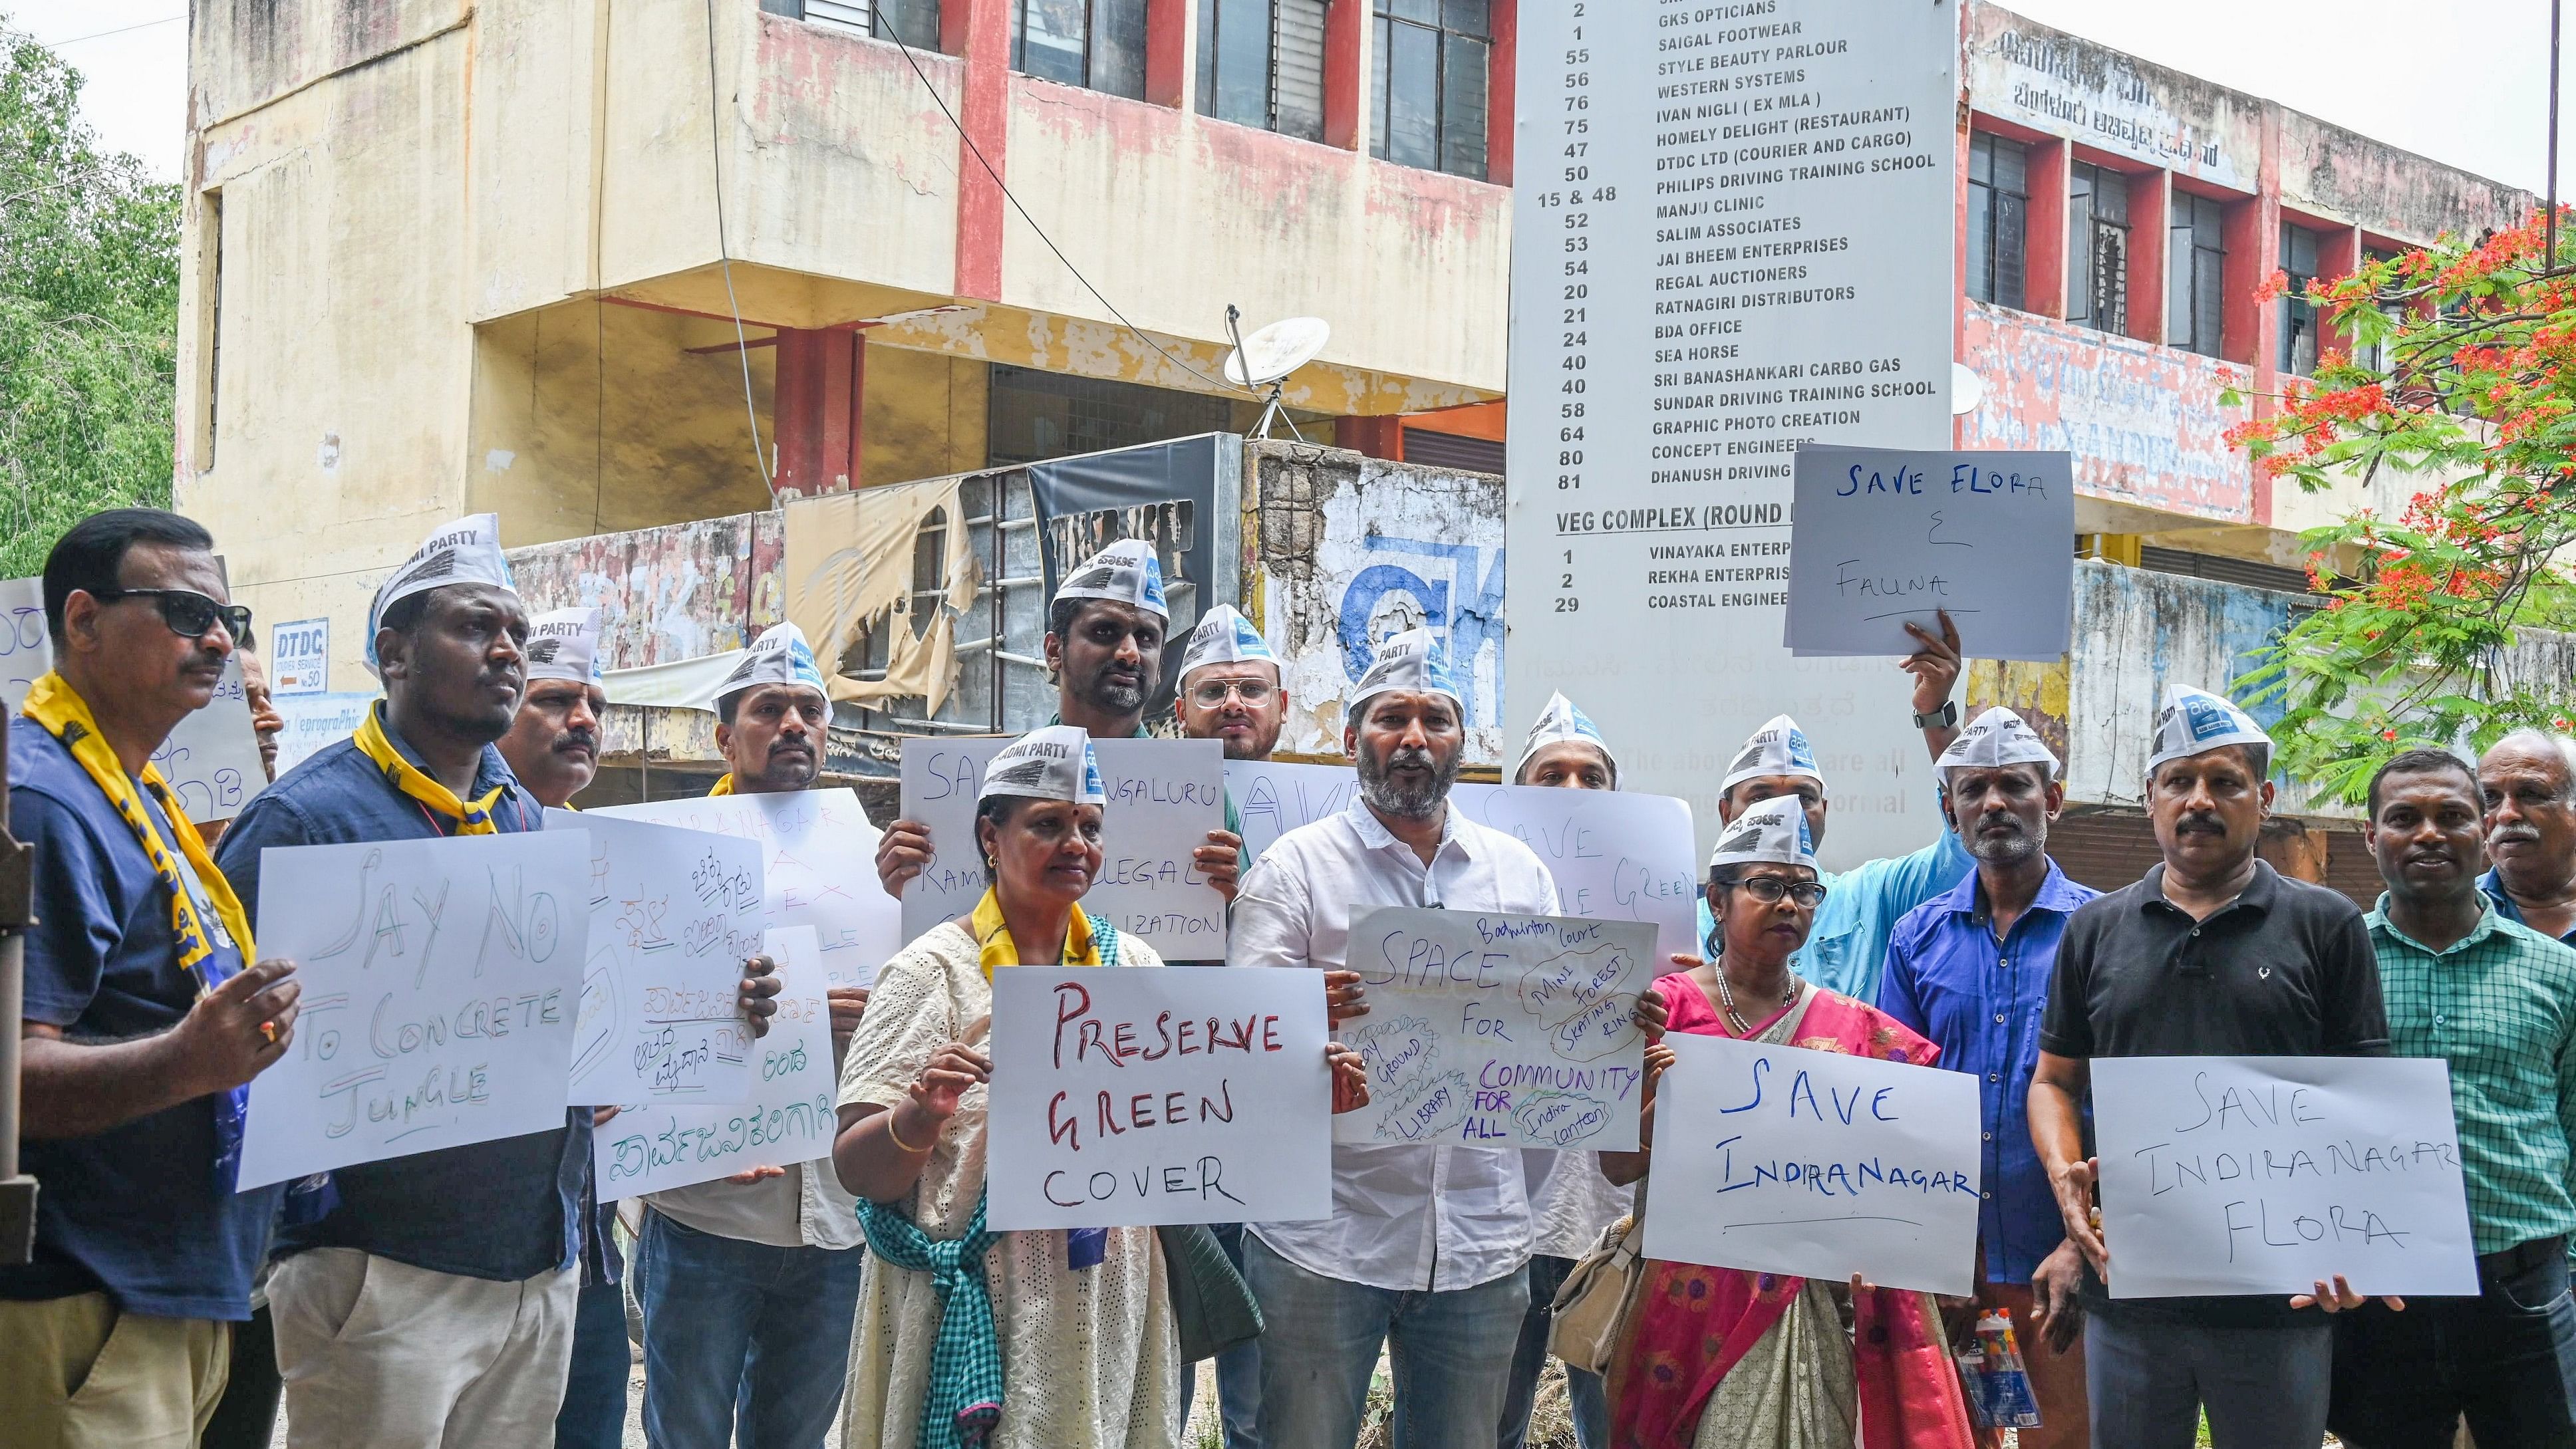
x,y
1498,1030
1138,1098
1821,1164
789,1118
818,868
299,657
1732,233
673,916
1615,855
439,979
1164,798
2272,1174
316,720
1881,539
26,650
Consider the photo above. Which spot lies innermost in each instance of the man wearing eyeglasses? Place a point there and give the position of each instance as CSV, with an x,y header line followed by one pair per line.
x,y
141,1027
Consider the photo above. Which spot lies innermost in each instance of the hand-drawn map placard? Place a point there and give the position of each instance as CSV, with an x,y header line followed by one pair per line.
x,y
1499,1031
440,979
789,1118
818,868
673,915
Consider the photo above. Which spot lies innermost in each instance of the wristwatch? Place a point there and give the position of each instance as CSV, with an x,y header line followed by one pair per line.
x,y
1946,717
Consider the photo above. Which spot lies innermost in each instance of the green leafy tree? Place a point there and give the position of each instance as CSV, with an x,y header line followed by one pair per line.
x,y
2461,371
89,313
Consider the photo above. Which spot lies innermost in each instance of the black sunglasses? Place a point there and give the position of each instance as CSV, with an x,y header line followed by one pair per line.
x,y
188,613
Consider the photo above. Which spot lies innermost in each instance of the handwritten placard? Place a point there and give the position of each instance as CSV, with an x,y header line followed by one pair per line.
x,y
818,868
1499,1031
1615,855
1164,798
2272,1174
1880,538
673,915
439,978
1784,1160
788,1119
1137,1098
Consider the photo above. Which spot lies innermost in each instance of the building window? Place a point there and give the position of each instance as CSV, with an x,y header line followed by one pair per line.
x,y
1431,84
1034,416
1096,44
2298,315
1261,63
2195,264
2097,292
914,22
2379,357
1998,219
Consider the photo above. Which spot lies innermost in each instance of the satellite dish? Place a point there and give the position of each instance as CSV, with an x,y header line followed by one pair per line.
x,y
1269,355
1966,390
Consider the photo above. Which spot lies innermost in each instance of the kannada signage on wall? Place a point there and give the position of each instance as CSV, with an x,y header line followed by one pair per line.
x,y
1733,235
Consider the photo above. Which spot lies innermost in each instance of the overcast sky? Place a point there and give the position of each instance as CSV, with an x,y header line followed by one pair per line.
x,y
2462,81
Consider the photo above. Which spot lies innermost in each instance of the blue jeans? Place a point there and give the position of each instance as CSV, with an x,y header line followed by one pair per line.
x,y
1452,1352
593,1415
1589,1397
2506,1359
1238,1369
2149,1376
742,1339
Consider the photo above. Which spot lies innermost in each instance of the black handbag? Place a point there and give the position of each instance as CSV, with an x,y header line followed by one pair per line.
x,y
1211,1304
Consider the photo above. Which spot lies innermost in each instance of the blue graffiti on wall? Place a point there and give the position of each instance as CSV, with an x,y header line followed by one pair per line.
x,y
1456,588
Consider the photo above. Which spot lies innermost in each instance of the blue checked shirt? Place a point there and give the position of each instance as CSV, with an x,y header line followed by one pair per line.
x,y
2500,1008
1980,1000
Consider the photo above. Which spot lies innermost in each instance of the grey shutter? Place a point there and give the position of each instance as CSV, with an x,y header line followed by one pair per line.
x,y
1297,68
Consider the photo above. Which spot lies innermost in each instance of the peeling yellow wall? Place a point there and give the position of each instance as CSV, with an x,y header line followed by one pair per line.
x,y
924,415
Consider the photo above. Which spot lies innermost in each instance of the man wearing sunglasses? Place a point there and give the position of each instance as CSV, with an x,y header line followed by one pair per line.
x,y
141,1027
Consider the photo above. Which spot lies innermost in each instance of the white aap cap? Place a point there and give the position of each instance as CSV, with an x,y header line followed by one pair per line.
x,y
1771,833
1413,662
564,645
467,551
1997,738
1125,572
1223,636
779,656
1054,763
1778,748
1558,723
2195,721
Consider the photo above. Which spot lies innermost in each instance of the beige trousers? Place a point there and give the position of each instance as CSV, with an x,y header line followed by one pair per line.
x,y
385,1355
77,1374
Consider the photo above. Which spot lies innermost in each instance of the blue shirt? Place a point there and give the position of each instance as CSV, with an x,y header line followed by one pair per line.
x,y
1847,945
2493,884
1980,1001
501,1210
135,1211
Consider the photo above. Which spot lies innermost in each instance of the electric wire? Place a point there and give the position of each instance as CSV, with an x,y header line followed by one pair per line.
x,y
742,347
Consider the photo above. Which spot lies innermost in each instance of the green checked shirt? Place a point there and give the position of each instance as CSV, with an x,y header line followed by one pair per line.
x,y
2500,1008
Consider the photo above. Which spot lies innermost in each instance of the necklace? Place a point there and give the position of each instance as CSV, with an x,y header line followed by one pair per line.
x,y
1735,1018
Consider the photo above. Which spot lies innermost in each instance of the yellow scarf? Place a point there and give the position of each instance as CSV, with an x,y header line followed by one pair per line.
x,y
65,715
723,785
473,817
993,935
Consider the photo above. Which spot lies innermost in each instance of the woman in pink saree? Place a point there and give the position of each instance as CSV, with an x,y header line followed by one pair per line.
x,y
1720,1358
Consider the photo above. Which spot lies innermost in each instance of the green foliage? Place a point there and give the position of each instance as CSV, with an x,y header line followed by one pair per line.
x,y
89,314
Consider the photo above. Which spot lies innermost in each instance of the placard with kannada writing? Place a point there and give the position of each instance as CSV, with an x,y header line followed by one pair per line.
x,y
818,868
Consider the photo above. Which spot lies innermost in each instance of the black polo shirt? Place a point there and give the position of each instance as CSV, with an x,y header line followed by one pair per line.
x,y
2285,970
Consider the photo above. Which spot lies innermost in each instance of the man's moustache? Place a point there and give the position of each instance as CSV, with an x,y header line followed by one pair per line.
x,y
2201,824
2514,835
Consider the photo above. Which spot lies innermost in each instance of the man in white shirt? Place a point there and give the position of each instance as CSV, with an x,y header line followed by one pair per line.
x,y
1427,1246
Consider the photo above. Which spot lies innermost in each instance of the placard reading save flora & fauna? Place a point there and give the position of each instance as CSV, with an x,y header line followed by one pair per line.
x,y
1499,1030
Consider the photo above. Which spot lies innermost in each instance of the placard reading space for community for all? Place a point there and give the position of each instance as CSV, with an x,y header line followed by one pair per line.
x,y
1784,1160
2273,1174
673,915
818,868
1499,1031
1164,798
440,979
1880,539
1137,1098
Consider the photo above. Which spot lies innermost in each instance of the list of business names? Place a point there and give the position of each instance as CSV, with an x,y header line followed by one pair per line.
x,y
1733,234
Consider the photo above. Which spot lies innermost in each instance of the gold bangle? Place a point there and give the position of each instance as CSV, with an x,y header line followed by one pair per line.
x,y
897,1137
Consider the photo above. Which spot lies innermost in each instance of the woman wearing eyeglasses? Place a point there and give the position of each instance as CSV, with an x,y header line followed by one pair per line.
x,y
1722,1358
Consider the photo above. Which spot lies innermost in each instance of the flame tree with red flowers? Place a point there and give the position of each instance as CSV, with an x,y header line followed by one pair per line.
x,y
2476,395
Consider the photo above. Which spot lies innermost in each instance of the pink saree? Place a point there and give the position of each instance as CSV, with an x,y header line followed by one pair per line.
x,y
1694,1324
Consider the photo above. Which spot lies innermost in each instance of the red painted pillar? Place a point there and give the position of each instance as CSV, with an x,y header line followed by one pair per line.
x,y
1167,62
1377,437
1959,278
980,31
1501,78
2150,204
2251,331
816,417
2338,256
1346,88
2043,282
